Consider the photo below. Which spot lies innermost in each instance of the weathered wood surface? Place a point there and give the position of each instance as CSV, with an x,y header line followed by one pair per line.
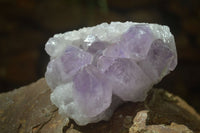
x,y
29,110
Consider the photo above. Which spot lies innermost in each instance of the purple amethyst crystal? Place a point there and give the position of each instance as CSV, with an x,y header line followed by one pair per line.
x,y
94,69
93,90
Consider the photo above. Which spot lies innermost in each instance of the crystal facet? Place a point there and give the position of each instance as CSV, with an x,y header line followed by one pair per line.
x,y
93,91
95,69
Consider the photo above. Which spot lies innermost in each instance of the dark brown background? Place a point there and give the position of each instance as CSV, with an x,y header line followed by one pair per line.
x,y
26,25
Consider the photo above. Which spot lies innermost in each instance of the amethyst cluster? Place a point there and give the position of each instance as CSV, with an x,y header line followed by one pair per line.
x,y
95,69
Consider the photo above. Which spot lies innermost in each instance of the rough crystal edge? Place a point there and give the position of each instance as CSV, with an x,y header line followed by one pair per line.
x,y
105,32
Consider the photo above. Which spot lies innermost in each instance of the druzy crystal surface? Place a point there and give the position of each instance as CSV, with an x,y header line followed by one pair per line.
x,y
95,69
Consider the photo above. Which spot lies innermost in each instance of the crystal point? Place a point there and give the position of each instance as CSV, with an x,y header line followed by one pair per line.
x,y
93,91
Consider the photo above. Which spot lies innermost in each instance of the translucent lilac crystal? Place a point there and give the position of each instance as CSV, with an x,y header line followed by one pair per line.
x,y
95,69
93,90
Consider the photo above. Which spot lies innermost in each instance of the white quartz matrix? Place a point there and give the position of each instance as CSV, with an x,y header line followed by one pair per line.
x,y
93,70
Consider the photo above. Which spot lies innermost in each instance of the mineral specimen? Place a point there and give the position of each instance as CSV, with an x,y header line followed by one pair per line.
x,y
93,70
